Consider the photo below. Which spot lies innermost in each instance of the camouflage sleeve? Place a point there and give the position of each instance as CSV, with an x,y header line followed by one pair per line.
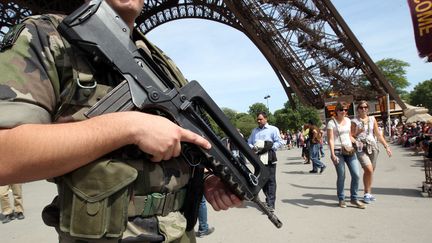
x,y
18,113
29,82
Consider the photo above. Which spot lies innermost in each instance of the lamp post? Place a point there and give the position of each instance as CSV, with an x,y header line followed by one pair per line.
x,y
266,98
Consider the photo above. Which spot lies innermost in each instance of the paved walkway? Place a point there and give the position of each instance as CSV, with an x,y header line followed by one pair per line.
x,y
306,204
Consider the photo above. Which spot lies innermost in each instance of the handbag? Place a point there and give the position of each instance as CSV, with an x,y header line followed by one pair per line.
x,y
346,150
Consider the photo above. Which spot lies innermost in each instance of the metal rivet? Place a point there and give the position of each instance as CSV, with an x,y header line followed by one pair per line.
x,y
155,95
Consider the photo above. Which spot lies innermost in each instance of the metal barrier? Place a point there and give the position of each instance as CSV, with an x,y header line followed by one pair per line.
x,y
427,184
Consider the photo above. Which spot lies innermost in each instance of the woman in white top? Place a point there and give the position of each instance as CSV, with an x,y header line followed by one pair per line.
x,y
365,129
339,136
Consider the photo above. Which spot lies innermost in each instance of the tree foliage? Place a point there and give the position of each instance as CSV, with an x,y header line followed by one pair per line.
x,y
258,107
230,113
290,119
246,124
422,95
243,121
394,71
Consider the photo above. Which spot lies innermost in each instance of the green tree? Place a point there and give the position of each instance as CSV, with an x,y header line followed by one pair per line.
x,y
290,119
241,120
258,107
422,95
231,114
308,113
394,71
241,114
246,123
281,120
295,121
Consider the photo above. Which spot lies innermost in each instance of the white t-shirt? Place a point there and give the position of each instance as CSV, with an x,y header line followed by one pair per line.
x,y
340,133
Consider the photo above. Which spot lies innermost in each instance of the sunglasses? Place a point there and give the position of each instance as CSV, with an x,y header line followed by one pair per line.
x,y
363,107
343,110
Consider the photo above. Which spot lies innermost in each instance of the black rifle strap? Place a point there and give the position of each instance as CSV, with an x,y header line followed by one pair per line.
x,y
194,196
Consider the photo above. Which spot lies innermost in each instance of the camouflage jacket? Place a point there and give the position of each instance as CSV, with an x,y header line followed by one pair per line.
x,y
38,80
41,83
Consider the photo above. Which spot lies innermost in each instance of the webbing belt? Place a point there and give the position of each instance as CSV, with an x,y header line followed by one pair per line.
x,y
156,203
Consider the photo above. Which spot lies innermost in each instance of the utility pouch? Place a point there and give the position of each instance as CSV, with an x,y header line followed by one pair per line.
x,y
94,199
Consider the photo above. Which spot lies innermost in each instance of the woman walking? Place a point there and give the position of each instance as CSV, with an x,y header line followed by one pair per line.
x,y
342,152
365,129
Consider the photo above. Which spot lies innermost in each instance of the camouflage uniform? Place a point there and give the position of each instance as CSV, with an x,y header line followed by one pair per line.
x,y
44,81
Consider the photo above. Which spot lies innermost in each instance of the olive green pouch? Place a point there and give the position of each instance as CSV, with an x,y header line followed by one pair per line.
x,y
94,199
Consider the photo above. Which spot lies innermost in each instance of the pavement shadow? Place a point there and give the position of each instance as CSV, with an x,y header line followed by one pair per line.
x,y
294,163
301,172
418,163
249,204
298,160
311,199
409,152
406,192
294,158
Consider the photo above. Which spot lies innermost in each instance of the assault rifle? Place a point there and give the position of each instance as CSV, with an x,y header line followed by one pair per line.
x,y
98,31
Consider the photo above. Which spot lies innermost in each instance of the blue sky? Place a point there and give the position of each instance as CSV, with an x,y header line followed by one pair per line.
x,y
235,74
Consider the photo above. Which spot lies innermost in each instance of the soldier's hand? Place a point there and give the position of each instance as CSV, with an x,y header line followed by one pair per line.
x,y
161,138
218,195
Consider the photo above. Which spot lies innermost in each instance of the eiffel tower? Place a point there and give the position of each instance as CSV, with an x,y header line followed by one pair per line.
x,y
307,43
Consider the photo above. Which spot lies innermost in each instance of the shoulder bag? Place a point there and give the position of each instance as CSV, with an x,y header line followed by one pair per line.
x,y
346,150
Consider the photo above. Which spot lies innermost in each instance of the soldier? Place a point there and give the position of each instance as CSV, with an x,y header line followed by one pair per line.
x,y
45,88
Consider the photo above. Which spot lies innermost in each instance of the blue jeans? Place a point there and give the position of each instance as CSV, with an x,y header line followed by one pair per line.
x,y
354,168
314,153
321,150
202,216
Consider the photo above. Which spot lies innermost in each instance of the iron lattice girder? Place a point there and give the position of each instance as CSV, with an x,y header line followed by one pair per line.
x,y
157,12
13,12
321,39
44,6
227,12
307,43
260,28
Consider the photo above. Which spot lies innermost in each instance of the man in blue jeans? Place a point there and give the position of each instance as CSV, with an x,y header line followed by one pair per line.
x,y
203,227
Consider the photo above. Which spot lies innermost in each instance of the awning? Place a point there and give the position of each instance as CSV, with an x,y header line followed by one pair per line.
x,y
419,117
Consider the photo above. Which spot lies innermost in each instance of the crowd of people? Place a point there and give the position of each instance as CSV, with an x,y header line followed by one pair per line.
x,y
351,142
414,135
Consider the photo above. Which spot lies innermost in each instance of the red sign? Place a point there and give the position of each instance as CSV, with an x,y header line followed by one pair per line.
x,y
421,14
